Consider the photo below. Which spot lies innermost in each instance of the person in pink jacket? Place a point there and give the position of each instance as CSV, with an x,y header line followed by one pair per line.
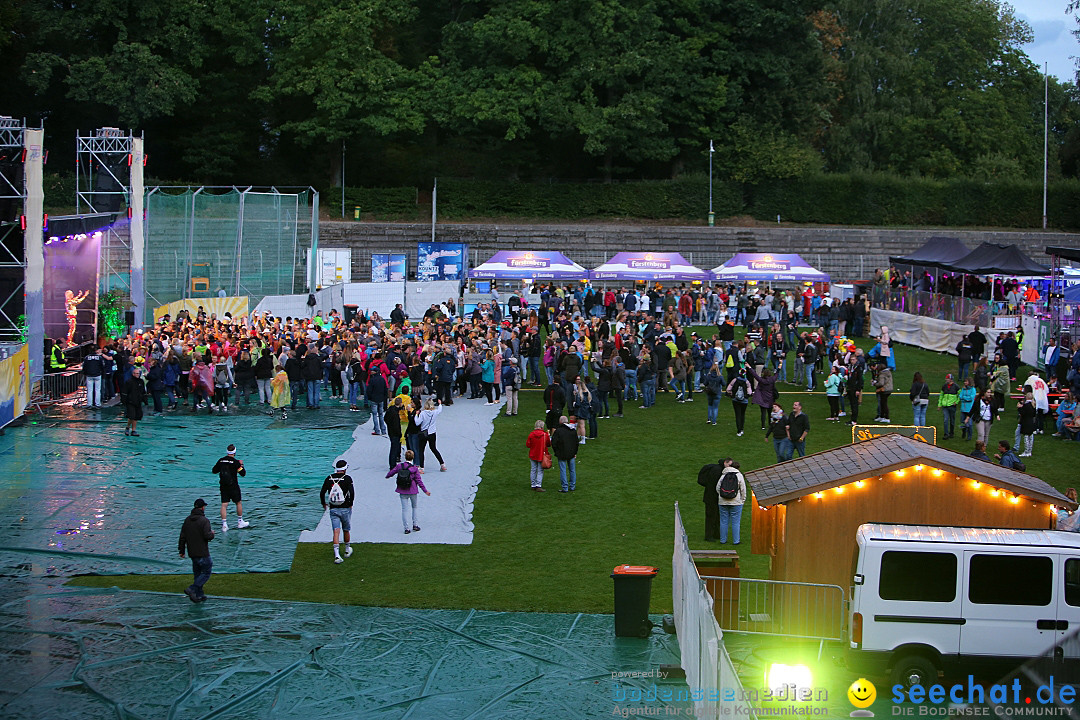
x,y
409,485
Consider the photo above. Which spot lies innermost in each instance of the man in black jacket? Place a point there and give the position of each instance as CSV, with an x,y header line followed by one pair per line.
x,y
707,477
313,375
93,367
564,443
554,399
294,369
195,536
264,375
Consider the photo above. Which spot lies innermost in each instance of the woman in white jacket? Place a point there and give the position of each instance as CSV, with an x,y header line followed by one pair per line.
x,y
425,420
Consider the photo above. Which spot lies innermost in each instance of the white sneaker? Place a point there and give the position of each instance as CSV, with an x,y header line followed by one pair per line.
x,y
348,550
738,434
242,523
842,414
338,560
1025,454
224,526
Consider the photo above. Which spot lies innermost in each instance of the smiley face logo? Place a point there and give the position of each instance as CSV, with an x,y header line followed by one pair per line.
x,y
862,693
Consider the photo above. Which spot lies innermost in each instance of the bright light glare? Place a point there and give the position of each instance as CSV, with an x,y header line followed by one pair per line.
x,y
780,676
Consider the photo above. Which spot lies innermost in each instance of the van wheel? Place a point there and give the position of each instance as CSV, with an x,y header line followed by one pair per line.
x,y
912,670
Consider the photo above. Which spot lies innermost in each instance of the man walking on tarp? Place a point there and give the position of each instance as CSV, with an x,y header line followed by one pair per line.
x,y
227,469
195,536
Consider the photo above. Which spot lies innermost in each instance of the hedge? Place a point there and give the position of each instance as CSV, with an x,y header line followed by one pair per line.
x,y
838,199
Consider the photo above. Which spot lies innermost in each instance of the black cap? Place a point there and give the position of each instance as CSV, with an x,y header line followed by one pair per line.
x,y
200,503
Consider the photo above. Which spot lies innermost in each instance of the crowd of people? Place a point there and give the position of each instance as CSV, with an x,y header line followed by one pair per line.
x,y
592,353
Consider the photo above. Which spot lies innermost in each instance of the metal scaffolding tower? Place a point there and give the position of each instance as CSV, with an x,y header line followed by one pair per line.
x,y
109,179
12,249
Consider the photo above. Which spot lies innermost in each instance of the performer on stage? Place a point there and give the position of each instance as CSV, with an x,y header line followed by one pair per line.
x,y
70,303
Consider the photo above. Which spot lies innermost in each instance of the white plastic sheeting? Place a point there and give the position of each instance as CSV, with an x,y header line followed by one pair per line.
x,y
377,297
326,299
446,517
927,333
420,296
709,671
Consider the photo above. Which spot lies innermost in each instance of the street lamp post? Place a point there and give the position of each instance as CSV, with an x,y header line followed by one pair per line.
x,y
712,217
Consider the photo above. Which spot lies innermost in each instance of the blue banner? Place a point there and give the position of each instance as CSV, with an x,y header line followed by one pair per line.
x,y
398,266
440,261
380,267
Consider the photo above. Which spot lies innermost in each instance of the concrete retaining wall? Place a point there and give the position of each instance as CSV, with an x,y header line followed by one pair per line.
x,y
845,253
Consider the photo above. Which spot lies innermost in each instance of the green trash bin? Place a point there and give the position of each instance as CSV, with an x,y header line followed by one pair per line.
x,y
633,588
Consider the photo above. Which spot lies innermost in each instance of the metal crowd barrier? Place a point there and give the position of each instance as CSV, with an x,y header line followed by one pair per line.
x,y
777,607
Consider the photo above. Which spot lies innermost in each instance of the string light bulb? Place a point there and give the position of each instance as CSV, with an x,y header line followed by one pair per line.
x,y
819,495
976,484
859,483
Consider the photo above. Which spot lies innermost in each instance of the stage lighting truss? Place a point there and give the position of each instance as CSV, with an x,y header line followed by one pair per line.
x,y
12,206
103,184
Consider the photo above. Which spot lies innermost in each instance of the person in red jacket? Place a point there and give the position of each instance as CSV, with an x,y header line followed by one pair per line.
x,y
538,443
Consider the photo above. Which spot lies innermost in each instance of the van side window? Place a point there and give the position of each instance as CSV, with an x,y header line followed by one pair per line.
x,y
1011,580
917,576
1072,581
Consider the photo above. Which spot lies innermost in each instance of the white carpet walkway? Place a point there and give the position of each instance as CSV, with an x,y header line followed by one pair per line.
x,y
464,429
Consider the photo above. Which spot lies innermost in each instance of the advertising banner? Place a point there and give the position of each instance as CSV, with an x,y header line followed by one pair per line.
x,y
70,290
14,385
440,261
380,267
398,267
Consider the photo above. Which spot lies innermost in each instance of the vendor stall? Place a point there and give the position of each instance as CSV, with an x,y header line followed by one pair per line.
x,y
648,267
529,265
767,267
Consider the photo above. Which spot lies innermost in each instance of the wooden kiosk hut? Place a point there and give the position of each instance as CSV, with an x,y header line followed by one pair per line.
x,y
807,510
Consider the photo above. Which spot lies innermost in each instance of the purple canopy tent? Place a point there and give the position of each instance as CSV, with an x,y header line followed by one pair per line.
x,y
529,265
648,266
767,267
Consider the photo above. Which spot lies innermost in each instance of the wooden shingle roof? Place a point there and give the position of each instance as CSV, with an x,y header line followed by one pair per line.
x,y
806,475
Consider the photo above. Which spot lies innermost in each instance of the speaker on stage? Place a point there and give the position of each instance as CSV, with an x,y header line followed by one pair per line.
x,y
129,318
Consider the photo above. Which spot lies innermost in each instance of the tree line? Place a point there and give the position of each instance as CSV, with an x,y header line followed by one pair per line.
x,y
277,91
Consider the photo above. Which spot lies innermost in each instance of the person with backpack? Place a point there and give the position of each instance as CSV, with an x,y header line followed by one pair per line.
x,y
731,491
408,488
739,390
337,494
1007,458
223,380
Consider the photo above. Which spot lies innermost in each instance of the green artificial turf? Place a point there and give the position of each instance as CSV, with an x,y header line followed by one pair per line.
x,y
554,552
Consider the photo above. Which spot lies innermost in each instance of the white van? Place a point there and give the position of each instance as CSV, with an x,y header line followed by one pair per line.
x,y
945,599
